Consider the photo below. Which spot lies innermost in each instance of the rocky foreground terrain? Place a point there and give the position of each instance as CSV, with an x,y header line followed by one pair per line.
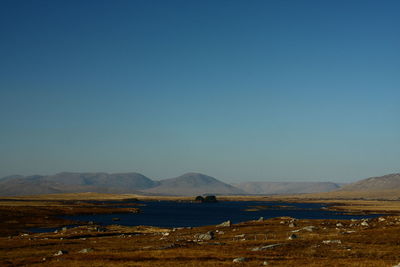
x,y
280,241
275,242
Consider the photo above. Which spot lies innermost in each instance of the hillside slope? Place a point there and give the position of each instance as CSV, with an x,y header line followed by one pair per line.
x,y
278,188
194,184
386,182
67,182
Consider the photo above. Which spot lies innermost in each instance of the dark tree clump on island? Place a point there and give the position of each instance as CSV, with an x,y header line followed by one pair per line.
x,y
210,199
199,199
207,199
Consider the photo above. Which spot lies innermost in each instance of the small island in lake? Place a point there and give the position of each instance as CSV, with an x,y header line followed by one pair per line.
x,y
206,199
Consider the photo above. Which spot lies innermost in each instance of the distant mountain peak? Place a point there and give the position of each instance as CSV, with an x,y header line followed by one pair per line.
x,y
193,183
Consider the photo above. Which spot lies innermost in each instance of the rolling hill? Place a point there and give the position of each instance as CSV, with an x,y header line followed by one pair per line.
x,y
117,183
386,182
194,184
386,187
69,182
188,184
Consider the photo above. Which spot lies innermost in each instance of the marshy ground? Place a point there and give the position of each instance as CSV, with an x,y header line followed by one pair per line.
x,y
280,241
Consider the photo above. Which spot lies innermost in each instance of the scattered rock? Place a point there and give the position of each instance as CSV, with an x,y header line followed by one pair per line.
x,y
225,224
365,223
381,219
307,228
85,250
60,252
339,225
292,236
261,219
101,229
265,263
310,228
267,247
287,218
64,229
239,260
326,242
204,237
292,225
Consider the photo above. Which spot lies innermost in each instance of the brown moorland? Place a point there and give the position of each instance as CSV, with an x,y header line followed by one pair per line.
x,y
373,242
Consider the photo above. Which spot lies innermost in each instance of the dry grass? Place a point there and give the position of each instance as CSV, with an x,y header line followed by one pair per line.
x,y
376,245
16,216
373,245
369,201
95,196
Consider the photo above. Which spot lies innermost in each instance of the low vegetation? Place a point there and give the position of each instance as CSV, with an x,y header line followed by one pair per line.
x,y
280,241
206,199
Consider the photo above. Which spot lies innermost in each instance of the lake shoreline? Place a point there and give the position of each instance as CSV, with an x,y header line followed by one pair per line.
x,y
387,206
44,211
281,241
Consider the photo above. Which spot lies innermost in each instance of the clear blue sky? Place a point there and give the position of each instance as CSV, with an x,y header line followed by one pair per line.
x,y
240,90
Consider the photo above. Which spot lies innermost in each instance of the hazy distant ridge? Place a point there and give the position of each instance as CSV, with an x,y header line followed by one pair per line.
x,y
69,182
386,182
135,183
186,184
272,188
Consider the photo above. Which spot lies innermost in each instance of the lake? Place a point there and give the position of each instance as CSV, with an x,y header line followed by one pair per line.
x,y
190,214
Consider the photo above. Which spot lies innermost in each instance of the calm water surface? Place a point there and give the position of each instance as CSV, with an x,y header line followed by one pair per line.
x,y
184,214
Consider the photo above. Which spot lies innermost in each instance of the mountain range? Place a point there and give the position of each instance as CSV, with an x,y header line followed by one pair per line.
x,y
136,183
187,184
69,182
